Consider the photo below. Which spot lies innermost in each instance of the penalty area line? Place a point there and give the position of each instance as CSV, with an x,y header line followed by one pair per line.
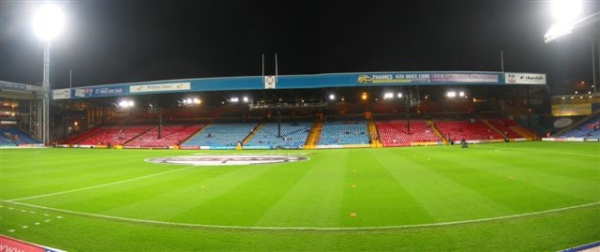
x,y
97,186
259,228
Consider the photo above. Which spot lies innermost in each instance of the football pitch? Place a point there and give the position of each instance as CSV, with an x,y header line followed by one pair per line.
x,y
530,196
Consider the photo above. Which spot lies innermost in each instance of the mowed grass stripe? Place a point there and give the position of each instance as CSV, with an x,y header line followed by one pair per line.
x,y
479,172
25,175
576,176
569,149
375,196
316,197
392,187
545,232
548,173
162,198
579,162
429,180
247,203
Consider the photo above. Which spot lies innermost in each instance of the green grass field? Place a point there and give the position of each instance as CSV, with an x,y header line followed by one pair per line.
x,y
531,196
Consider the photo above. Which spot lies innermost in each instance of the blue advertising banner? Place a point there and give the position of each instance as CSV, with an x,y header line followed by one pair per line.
x,y
430,78
21,87
85,92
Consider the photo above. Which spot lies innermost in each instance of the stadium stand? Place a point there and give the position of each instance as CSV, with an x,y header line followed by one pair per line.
x,y
85,135
4,141
469,130
344,132
115,135
220,135
504,126
395,132
16,137
171,135
293,135
590,128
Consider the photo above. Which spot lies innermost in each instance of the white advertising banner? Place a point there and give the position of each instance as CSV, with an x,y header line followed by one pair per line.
x,y
525,78
160,87
59,94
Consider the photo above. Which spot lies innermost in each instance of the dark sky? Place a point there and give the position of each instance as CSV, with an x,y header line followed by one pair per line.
x,y
114,41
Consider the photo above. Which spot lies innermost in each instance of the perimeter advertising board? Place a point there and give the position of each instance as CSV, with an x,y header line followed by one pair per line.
x,y
525,78
11,244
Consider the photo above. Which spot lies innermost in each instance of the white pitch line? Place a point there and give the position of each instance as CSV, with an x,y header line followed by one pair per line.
x,y
97,186
176,224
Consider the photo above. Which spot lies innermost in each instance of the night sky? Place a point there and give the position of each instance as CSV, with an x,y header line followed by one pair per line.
x,y
108,42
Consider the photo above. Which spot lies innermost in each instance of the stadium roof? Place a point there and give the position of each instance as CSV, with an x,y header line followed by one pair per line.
x,y
312,81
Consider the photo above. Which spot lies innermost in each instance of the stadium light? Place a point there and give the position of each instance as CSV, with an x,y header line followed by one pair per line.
x,y
567,15
451,94
191,101
364,96
558,30
566,10
332,97
388,95
48,22
126,104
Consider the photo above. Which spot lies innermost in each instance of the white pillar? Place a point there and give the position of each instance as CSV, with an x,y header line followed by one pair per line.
x,y
45,124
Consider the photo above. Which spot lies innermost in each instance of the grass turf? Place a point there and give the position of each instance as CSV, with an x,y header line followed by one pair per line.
x,y
383,187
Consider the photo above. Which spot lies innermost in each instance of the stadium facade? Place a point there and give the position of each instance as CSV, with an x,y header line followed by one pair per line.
x,y
258,101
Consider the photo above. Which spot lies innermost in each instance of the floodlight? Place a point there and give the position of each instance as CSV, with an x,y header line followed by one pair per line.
x,y
399,95
126,104
451,94
245,99
48,22
558,30
566,10
332,97
388,95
